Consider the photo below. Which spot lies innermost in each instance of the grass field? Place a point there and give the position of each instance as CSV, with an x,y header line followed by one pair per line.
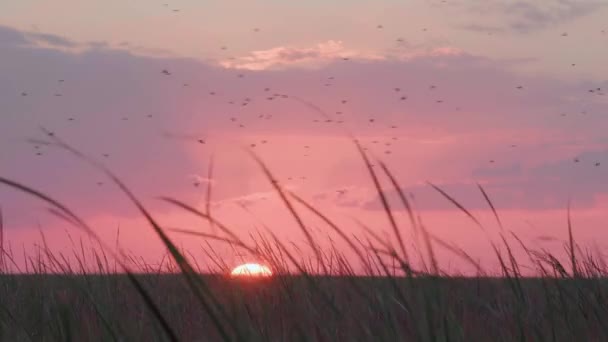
x,y
287,308
395,299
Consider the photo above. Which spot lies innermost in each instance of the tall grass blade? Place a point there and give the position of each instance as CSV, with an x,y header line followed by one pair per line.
x,y
487,198
410,212
383,199
208,193
575,273
285,200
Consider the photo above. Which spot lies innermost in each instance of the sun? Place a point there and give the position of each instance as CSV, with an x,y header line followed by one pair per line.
x,y
251,270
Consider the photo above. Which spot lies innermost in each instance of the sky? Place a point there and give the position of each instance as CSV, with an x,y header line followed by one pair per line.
x,y
506,94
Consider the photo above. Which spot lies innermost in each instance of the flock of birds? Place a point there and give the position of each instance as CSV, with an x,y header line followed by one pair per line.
x,y
338,116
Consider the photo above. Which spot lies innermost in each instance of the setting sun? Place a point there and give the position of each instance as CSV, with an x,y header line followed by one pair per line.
x,y
251,270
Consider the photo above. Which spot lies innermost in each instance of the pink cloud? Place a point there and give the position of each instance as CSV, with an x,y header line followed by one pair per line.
x,y
304,57
322,54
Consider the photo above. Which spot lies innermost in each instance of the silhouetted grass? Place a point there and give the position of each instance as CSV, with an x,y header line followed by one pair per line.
x,y
98,295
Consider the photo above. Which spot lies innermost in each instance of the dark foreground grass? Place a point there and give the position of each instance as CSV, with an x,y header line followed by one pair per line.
x,y
107,308
59,299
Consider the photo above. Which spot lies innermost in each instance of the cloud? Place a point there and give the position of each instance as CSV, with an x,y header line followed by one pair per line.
x,y
250,199
546,186
50,40
481,28
10,37
322,54
283,56
525,16
344,196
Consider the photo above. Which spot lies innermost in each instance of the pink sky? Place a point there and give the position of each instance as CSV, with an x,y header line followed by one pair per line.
x,y
439,83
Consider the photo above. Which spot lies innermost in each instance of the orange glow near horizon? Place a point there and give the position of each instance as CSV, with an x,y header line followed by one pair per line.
x,y
251,270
